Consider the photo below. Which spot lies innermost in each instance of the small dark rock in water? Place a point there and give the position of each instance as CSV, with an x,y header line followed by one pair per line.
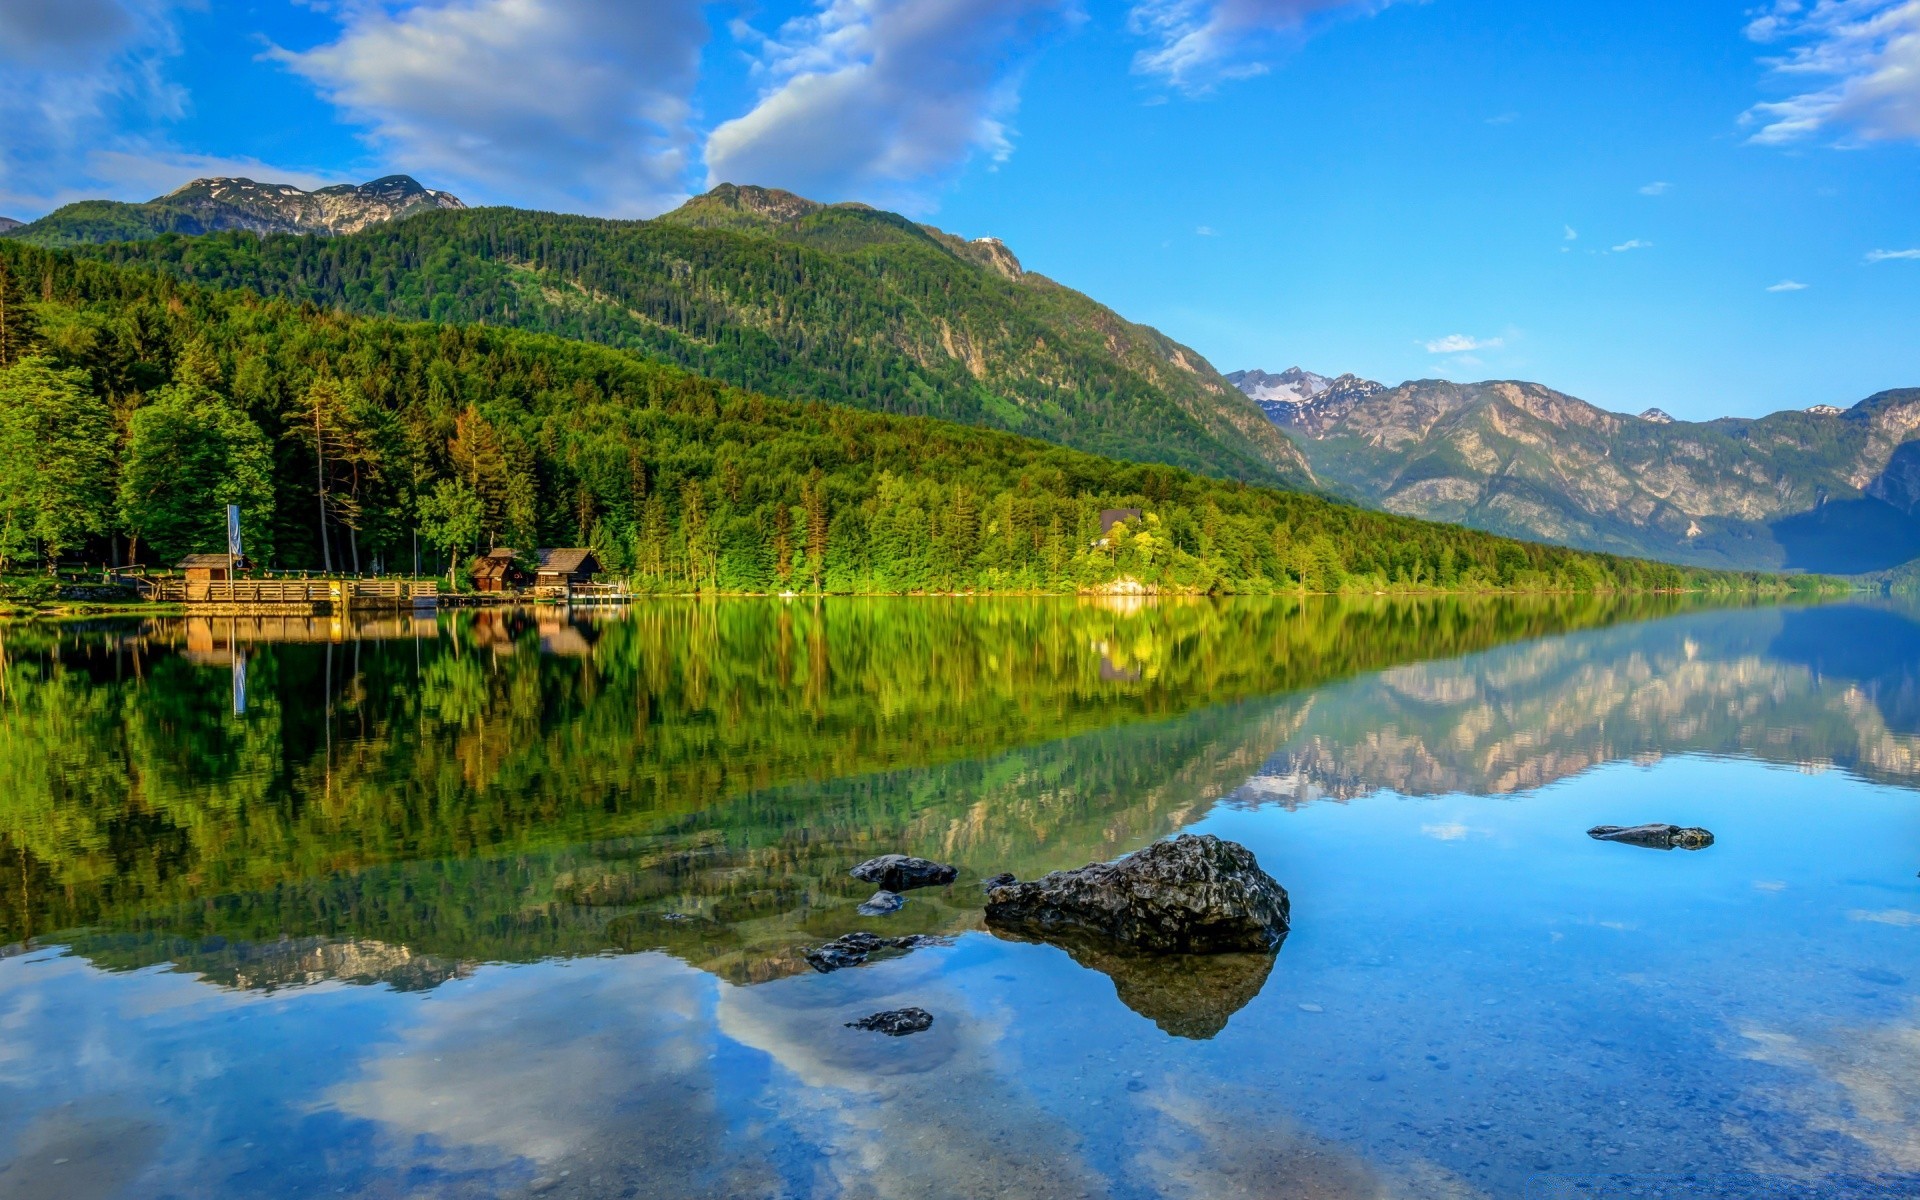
x,y
1654,837
899,872
1195,894
896,1022
881,903
852,949
1001,880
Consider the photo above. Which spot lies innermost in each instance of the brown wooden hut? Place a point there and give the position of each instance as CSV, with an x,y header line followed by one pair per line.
x,y
565,567
210,568
496,571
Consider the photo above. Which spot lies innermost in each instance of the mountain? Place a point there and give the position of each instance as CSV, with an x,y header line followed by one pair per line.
x,y
215,205
8,223
174,400
1823,490
769,291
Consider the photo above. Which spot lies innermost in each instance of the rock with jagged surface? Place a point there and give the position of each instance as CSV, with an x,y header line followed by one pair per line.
x,y
895,1022
902,872
1196,894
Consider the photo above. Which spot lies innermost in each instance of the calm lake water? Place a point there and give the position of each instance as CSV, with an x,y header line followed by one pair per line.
x,y
502,903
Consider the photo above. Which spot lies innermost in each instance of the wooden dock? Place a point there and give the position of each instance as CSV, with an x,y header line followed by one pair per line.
x,y
308,596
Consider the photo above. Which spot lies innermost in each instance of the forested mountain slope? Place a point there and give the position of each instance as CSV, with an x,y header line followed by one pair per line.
x,y
1824,490
768,291
134,405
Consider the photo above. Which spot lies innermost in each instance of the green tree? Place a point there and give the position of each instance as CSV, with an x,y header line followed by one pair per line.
x,y
56,460
190,453
19,327
451,518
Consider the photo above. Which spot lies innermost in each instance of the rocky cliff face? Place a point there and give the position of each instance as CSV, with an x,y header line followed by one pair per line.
x,y
7,223
1821,490
221,204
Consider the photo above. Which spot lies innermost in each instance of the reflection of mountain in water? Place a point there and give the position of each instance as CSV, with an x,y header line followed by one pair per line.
x,y
698,778
1838,685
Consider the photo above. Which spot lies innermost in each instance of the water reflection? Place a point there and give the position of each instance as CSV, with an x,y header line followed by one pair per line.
x,y
584,859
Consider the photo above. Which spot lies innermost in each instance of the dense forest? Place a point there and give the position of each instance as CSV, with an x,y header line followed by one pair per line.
x,y
134,406
773,293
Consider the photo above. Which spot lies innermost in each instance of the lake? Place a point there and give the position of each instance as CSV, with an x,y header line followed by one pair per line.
x,y
506,902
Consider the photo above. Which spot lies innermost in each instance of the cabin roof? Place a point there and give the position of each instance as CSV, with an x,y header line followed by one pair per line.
x,y
192,561
1109,517
566,560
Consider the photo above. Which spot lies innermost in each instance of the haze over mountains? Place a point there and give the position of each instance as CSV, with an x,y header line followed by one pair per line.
x,y
1824,489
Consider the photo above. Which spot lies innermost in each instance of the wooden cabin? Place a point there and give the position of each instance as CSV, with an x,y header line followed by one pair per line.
x,y
496,571
565,568
210,568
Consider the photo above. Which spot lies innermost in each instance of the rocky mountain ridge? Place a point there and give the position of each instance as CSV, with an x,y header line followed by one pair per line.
x,y
225,203
1821,489
7,223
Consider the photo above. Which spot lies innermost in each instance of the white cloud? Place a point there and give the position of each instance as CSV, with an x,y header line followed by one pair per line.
x,y
581,103
1450,831
1788,285
1460,343
1506,118
75,76
1658,187
1874,256
1572,235
876,98
1630,244
1863,59
1205,231
1200,42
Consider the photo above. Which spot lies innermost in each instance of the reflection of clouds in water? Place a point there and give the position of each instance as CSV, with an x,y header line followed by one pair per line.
x,y
932,1114
559,1066
1451,831
1874,1077
1886,916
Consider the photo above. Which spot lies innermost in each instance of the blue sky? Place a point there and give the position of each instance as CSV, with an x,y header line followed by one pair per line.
x,y
1710,207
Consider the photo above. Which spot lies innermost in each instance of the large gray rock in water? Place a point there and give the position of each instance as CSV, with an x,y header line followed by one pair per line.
x,y
1654,837
900,872
1195,894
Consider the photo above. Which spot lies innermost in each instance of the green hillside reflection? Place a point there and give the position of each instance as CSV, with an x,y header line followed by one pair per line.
x,y
404,797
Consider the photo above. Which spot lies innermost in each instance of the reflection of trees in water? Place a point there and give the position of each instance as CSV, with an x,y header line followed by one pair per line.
x,y
1789,687
470,796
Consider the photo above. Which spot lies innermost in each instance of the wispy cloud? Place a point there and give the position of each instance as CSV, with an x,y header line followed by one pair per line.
x,y
1505,118
1863,57
1197,43
1886,916
577,102
76,77
1631,244
1572,235
1658,187
876,98
1875,256
1788,285
1205,231
1460,343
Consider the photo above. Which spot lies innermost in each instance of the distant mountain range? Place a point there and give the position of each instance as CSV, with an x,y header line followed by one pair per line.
x,y
218,205
770,291
1823,489
8,223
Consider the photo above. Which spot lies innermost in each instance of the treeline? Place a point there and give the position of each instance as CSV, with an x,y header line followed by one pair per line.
x,y
134,407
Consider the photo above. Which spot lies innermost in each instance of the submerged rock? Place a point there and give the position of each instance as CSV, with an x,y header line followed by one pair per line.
x,y
1195,894
901,872
881,903
896,1022
1654,837
852,949
1186,995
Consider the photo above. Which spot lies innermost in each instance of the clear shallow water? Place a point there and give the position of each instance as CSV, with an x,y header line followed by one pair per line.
x,y
402,928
